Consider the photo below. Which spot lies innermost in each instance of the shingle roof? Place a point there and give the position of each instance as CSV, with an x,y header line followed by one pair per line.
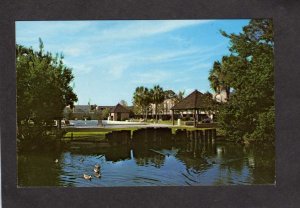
x,y
119,109
81,108
104,107
195,100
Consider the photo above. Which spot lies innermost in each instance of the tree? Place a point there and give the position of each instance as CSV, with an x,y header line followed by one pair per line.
x,y
43,87
68,113
105,113
158,96
218,76
169,94
179,97
142,100
123,102
249,114
209,103
93,107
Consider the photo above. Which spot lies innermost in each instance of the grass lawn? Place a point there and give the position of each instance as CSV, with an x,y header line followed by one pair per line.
x,y
169,122
99,133
92,134
188,128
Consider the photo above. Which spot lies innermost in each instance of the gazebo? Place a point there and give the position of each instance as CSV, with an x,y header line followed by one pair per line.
x,y
119,113
195,101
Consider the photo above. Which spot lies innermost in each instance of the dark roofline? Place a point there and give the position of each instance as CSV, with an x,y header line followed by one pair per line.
x,y
120,109
190,102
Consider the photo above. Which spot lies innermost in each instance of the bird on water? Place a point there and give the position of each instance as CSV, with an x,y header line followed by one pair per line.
x,y
87,177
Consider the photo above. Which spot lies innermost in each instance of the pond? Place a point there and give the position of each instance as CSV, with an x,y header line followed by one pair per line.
x,y
220,163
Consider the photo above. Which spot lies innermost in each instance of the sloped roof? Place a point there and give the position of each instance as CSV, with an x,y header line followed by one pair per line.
x,y
119,109
104,107
195,100
81,108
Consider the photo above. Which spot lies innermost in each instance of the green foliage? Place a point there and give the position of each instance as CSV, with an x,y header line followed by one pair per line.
x,y
157,97
141,101
43,88
105,113
249,72
170,94
124,103
68,113
179,97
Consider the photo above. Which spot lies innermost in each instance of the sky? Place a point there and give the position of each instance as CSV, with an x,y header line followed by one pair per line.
x,y
109,59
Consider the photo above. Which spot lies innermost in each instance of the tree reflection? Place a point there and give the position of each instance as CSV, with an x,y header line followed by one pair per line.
x,y
116,154
39,169
195,155
261,163
145,157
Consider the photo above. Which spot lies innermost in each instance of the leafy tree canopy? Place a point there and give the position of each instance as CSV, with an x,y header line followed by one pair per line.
x,y
249,71
43,85
123,102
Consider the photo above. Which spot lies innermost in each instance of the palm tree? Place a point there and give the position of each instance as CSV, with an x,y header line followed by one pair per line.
x,y
158,96
218,76
214,74
141,99
180,96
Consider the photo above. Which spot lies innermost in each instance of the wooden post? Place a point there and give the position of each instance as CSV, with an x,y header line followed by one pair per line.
x,y
195,123
200,136
59,124
214,133
173,117
210,135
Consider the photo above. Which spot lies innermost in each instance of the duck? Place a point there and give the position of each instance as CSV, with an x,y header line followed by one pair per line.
x,y
56,161
97,166
87,177
96,170
98,175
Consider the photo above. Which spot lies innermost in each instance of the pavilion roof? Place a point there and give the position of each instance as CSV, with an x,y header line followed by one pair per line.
x,y
195,100
119,109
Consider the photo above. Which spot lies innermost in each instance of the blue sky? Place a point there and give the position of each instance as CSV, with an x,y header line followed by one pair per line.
x,y
111,58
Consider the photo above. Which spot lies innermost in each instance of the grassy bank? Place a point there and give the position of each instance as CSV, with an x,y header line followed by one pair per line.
x,y
98,134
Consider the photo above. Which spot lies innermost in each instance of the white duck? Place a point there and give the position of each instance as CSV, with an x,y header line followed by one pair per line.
x,y
87,177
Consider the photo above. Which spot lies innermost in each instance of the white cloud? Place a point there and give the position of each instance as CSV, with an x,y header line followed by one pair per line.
x,y
72,52
26,30
153,77
169,55
141,29
182,79
79,69
116,71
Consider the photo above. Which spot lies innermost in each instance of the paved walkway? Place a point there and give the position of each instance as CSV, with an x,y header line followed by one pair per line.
x,y
121,126
139,125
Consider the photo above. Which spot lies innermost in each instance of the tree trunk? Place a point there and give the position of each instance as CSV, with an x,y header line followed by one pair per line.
x,y
156,112
146,114
227,93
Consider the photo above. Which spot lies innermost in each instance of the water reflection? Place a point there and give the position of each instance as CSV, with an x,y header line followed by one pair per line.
x,y
148,165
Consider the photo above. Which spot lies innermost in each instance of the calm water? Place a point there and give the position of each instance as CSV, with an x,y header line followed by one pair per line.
x,y
221,163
